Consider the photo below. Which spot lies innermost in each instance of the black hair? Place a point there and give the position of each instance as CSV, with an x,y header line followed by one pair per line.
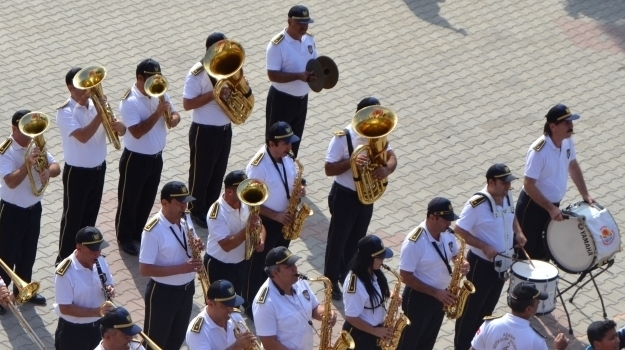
x,y
519,305
596,331
359,266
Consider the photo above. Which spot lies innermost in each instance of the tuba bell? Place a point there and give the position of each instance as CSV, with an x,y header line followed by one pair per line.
x,y
254,193
90,78
33,125
373,123
156,86
224,62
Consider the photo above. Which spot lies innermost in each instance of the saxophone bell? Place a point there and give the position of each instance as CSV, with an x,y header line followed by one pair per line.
x,y
458,286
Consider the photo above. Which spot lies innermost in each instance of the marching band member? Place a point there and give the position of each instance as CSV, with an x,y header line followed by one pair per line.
x,y
350,218
287,55
602,335
549,159
117,330
84,150
20,209
273,165
141,162
514,329
488,226
167,258
426,255
214,328
210,137
79,294
225,247
364,294
285,305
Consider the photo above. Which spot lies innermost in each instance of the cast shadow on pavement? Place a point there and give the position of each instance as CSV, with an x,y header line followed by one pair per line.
x,y
609,14
18,337
429,11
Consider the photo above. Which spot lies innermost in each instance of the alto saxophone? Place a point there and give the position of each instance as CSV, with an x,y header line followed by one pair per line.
x,y
344,341
457,286
394,320
299,215
202,274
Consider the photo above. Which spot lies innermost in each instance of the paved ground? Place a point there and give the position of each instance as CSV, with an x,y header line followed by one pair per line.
x,y
470,81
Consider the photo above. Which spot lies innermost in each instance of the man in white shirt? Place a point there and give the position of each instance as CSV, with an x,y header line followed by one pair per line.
x,y
84,150
20,209
117,331
287,55
550,160
513,331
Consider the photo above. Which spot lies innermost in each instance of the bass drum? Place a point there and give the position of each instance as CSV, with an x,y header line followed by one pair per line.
x,y
543,275
588,238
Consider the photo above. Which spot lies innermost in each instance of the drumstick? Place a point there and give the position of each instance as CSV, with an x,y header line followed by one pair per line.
x,y
528,257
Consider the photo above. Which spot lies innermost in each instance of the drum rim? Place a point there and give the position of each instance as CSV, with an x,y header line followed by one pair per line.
x,y
535,279
550,254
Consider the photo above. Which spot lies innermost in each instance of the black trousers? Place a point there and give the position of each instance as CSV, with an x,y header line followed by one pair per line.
x,y
348,224
210,149
235,273
533,220
362,339
426,317
167,313
287,108
72,336
255,275
82,195
488,287
139,176
19,235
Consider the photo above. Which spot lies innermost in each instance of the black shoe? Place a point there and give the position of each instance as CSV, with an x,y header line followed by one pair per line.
x,y
2,310
38,299
336,292
130,248
199,220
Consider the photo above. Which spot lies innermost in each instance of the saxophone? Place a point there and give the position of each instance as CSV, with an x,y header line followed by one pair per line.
x,y
461,289
293,230
394,320
202,274
344,341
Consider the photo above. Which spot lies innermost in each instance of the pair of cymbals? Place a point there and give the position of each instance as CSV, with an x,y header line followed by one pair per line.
x,y
325,70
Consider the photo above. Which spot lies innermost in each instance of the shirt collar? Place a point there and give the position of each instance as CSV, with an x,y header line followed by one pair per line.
x,y
550,142
212,325
136,92
15,145
164,219
227,206
77,265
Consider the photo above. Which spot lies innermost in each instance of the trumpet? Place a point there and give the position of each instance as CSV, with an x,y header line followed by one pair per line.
x,y
239,328
156,86
254,193
90,78
33,125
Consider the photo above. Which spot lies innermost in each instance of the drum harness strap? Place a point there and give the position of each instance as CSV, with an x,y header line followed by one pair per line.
x,y
502,266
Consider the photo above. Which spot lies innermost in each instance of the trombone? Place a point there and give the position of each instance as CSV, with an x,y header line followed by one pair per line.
x,y
25,292
156,86
33,125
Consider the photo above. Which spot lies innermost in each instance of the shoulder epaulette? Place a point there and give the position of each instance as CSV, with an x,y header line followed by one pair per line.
x,y
477,199
339,133
5,145
63,266
237,310
540,145
63,105
414,235
309,34
213,211
541,335
126,94
197,324
197,68
263,296
351,288
491,317
258,158
277,39
150,225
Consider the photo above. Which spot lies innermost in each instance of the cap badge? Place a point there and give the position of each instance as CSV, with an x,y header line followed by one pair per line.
x,y
128,319
184,189
304,13
506,169
567,111
287,129
230,290
450,208
96,236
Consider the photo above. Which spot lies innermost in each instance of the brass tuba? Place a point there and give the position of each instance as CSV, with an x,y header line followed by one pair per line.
x,y
90,78
254,193
156,86
457,286
298,215
33,125
394,320
224,61
373,123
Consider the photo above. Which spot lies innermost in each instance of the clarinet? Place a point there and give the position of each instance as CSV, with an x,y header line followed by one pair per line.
x,y
107,295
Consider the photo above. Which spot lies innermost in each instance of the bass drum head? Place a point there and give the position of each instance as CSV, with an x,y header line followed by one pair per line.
x,y
570,245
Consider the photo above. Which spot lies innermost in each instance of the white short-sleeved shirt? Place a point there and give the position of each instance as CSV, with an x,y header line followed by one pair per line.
x,y
71,117
508,332
338,151
228,222
494,229
422,259
550,166
291,56
135,108
358,303
163,246
210,336
286,316
80,286
11,160
210,113
132,346
267,172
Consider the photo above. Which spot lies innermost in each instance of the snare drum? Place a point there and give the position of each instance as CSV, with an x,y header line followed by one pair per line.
x,y
544,276
589,238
